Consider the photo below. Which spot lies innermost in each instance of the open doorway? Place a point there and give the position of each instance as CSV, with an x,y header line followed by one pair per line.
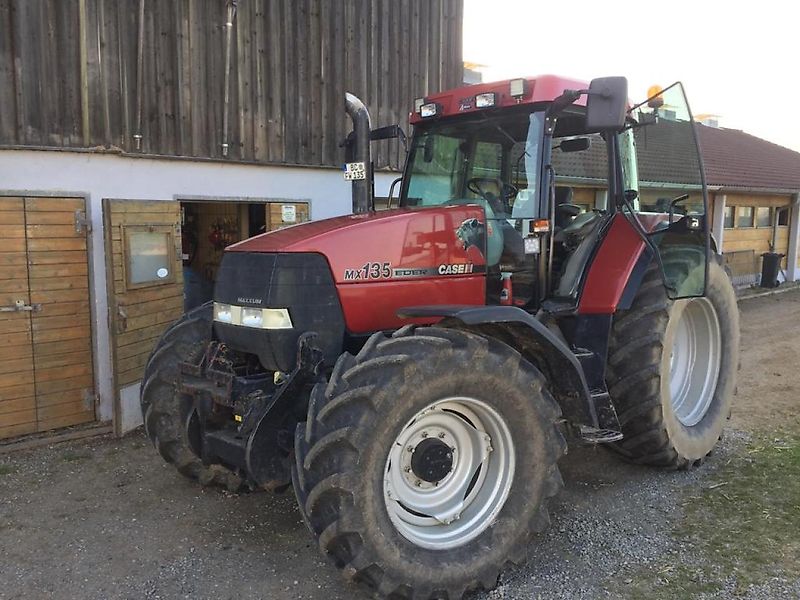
x,y
208,227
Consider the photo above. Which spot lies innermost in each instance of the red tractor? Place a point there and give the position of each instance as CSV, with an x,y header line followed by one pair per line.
x,y
413,373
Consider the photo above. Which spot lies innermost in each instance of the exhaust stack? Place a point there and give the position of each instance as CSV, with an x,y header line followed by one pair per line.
x,y
359,152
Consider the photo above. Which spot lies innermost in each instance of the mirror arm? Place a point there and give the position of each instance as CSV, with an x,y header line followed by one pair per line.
x,y
567,98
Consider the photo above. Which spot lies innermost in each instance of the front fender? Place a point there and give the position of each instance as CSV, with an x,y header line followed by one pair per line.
x,y
535,342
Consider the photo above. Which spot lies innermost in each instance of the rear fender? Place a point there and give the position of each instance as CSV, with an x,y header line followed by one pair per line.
x,y
518,329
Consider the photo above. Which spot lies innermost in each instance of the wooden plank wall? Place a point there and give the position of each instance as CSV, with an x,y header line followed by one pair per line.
x,y
62,332
757,239
275,214
46,372
292,61
17,392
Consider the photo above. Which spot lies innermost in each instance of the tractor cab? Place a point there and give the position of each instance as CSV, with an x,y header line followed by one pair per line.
x,y
553,163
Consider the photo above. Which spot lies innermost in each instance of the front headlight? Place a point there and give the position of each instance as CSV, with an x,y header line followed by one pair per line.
x,y
258,318
276,318
223,313
251,317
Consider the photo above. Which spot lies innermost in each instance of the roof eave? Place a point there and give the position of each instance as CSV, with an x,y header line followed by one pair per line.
x,y
732,189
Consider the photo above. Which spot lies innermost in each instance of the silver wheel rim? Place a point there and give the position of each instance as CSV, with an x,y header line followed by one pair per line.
x,y
457,505
694,361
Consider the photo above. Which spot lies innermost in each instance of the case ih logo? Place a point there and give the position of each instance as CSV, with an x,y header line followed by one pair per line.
x,y
458,269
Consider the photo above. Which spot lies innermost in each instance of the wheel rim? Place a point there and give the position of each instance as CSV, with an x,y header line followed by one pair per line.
x,y
694,361
460,478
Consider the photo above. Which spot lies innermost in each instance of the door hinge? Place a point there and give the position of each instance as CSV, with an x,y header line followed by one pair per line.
x,y
89,399
82,224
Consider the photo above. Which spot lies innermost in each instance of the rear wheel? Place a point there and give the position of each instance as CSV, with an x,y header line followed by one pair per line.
x,y
169,418
672,370
427,460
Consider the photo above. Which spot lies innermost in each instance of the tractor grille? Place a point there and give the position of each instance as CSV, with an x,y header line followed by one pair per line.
x,y
299,282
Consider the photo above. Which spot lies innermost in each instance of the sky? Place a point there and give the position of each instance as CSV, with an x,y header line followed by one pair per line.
x,y
738,60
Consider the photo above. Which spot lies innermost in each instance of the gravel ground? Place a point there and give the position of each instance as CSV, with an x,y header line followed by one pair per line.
x,y
107,519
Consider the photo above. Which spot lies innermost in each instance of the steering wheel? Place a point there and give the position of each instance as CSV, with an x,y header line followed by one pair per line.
x,y
498,203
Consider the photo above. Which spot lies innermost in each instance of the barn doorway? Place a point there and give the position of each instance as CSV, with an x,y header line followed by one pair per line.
x,y
162,260
208,227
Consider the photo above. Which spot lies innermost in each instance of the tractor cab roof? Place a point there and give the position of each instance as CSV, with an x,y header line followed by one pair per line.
x,y
498,94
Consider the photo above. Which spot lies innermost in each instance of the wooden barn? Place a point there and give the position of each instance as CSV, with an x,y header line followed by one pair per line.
x,y
142,136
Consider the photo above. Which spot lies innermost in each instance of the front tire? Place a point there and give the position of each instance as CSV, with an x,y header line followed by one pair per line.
x,y
389,435
672,371
166,412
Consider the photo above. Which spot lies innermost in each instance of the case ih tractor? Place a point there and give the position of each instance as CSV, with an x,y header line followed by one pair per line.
x,y
413,373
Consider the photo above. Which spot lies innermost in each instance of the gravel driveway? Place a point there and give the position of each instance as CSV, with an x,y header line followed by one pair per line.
x,y
108,519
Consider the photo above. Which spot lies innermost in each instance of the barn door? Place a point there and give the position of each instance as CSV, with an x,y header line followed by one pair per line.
x,y
145,283
46,374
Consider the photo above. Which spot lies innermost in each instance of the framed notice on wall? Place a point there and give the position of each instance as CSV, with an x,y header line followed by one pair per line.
x,y
288,213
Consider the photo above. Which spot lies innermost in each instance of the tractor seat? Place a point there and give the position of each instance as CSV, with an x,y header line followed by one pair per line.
x,y
565,210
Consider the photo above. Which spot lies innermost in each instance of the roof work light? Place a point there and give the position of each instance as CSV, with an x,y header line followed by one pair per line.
x,y
431,109
485,100
518,88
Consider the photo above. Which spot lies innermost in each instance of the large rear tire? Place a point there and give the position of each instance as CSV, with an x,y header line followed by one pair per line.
x,y
672,370
427,460
166,412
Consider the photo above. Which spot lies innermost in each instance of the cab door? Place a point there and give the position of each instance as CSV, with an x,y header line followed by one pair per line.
x,y
662,152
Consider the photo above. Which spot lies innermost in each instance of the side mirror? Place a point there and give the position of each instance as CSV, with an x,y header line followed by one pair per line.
x,y
607,103
574,145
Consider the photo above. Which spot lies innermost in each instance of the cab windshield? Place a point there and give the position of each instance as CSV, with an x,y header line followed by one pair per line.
x,y
492,160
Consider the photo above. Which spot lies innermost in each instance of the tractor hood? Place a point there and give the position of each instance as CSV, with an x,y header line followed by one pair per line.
x,y
386,245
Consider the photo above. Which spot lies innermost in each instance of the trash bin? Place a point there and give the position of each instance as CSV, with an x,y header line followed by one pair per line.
x,y
770,265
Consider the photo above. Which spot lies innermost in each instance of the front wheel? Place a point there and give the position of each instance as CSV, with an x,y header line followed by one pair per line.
x,y
427,460
168,414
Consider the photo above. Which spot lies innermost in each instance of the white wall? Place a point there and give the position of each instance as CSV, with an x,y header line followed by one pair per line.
x,y
98,176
